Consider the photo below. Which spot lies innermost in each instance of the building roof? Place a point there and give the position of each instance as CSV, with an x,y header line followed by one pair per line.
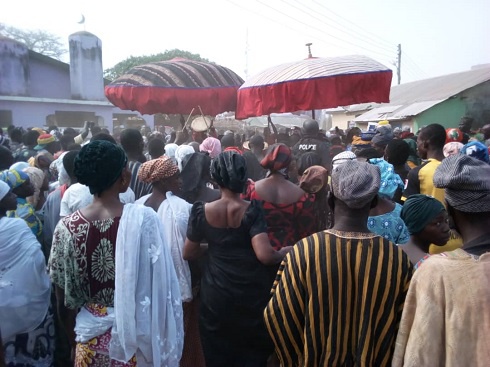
x,y
411,99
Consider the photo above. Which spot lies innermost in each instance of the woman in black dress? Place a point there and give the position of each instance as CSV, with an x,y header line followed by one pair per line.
x,y
235,284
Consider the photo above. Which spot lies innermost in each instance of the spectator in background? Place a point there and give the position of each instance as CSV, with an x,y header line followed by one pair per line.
x,y
465,125
430,145
254,151
132,143
156,148
6,158
313,141
445,320
427,222
15,136
30,141
396,153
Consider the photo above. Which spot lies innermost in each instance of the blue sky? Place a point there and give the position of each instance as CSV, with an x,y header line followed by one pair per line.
x,y
437,37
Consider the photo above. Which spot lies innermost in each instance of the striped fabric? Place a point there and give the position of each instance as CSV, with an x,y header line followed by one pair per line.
x,y
179,74
315,68
337,301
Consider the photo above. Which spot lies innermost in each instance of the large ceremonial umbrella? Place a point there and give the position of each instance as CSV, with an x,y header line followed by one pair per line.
x,y
314,83
176,87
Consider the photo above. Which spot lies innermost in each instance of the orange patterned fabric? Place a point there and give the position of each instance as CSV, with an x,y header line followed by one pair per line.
x,y
95,352
157,170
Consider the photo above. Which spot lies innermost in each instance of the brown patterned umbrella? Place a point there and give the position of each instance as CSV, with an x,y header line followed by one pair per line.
x,y
176,87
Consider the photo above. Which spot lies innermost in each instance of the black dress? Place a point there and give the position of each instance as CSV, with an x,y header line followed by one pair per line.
x,y
235,288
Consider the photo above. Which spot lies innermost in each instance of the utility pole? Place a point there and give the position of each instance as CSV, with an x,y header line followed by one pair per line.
x,y
399,63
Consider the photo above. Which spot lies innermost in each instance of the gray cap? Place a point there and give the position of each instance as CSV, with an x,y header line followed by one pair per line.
x,y
356,183
467,183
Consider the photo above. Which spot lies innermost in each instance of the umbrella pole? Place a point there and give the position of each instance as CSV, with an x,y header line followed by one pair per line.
x,y
188,118
313,114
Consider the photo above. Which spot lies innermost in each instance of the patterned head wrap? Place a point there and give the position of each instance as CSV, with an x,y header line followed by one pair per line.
x,y
212,146
451,148
313,179
157,170
466,182
419,210
476,150
99,164
4,189
390,181
455,135
356,183
278,157
37,178
343,157
44,140
229,170
13,177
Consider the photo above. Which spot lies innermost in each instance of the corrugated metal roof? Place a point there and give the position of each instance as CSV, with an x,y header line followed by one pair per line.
x,y
396,112
414,98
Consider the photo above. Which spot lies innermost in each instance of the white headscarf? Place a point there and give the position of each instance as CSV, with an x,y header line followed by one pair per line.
x,y
170,150
25,288
181,152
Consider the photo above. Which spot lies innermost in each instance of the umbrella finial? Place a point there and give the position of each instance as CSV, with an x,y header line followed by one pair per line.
x,y
309,50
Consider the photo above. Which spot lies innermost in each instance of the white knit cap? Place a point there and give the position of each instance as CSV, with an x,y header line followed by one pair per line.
x,y
4,189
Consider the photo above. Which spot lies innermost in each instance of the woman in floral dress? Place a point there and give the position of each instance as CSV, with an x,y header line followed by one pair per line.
x,y
124,318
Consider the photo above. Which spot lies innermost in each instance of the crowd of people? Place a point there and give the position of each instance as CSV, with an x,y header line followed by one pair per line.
x,y
273,248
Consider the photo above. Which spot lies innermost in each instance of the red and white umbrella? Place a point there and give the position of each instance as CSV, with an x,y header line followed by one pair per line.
x,y
176,86
314,83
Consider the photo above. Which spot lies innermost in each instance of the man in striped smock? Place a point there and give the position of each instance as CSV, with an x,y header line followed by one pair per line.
x,y
339,294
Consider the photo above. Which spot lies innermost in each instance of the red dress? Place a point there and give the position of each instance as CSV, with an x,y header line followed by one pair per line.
x,y
286,223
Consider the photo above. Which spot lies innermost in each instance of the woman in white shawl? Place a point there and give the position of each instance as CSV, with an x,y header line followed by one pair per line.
x,y
163,174
26,326
109,260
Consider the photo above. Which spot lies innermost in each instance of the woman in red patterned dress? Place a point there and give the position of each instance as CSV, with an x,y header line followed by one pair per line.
x,y
289,211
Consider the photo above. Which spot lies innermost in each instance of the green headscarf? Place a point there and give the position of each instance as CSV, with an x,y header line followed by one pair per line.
x,y
419,210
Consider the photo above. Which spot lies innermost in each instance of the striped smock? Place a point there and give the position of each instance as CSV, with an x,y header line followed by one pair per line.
x,y
338,300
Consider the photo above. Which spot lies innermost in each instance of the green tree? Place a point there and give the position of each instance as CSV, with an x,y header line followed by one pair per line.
x,y
123,67
36,40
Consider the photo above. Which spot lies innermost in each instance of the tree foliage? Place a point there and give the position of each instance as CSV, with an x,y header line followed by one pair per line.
x,y
123,67
36,40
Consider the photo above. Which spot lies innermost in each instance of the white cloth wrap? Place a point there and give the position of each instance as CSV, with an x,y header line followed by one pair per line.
x,y
25,287
174,214
88,326
147,304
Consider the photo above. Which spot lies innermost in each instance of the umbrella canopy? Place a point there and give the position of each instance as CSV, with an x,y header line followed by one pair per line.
x,y
176,87
314,83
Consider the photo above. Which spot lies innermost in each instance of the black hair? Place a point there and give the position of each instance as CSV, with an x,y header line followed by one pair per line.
x,y
228,141
306,160
435,134
355,131
6,158
335,140
102,136
30,138
70,131
69,162
156,148
95,130
368,153
74,146
99,164
397,152
65,141
16,134
131,140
